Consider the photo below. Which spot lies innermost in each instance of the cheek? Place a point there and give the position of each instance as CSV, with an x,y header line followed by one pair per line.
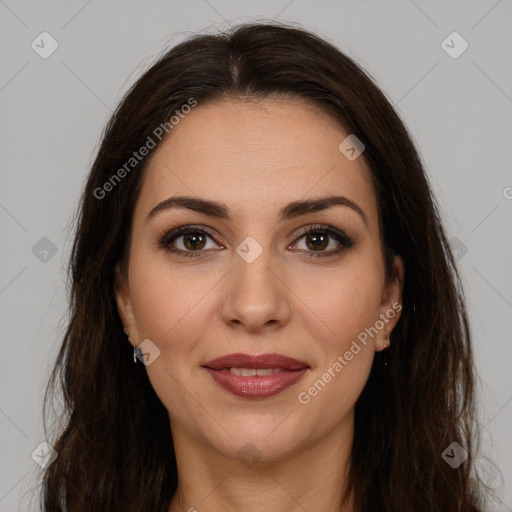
x,y
163,290
166,305
173,308
343,302
342,309
169,311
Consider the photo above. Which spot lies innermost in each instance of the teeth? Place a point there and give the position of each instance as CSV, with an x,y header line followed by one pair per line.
x,y
249,372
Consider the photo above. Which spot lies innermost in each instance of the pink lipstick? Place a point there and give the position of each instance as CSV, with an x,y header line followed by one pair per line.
x,y
251,376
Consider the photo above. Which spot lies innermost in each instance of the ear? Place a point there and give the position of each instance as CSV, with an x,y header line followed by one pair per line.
x,y
124,304
391,304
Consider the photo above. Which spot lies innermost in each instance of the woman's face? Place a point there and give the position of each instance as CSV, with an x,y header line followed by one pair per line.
x,y
252,283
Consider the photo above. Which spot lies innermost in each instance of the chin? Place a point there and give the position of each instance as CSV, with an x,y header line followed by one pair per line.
x,y
262,437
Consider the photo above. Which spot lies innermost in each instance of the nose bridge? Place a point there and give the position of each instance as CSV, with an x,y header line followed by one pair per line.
x,y
254,265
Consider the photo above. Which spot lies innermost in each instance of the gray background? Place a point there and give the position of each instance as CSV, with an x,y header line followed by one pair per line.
x,y
459,111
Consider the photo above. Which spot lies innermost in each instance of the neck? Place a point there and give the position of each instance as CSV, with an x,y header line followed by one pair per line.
x,y
311,477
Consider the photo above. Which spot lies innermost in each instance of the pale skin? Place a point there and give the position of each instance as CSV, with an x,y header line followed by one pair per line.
x,y
255,158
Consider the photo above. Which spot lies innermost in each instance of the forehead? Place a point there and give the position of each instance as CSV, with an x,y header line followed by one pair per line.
x,y
255,157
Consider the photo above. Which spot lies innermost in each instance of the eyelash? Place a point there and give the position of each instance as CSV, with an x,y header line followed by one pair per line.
x,y
166,238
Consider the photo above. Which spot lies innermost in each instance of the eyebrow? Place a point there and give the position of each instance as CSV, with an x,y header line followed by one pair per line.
x,y
290,211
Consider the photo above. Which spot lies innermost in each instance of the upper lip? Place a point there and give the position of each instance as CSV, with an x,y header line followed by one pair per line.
x,y
239,360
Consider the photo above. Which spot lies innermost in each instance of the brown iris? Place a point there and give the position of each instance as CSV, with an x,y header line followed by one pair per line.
x,y
320,241
193,239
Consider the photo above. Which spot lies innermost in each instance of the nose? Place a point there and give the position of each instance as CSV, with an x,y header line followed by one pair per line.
x,y
257,298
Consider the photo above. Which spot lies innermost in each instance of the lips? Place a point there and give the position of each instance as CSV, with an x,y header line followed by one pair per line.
x,y
259,376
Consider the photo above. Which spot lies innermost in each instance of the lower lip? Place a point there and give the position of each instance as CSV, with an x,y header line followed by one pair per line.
x,y
256,386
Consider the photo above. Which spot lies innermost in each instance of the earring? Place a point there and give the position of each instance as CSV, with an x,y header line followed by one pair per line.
x,y
134,350
386,346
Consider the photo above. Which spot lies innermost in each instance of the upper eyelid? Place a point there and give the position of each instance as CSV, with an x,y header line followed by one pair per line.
x,y
303,231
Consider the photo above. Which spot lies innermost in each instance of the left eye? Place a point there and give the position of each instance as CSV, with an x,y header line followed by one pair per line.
x,y
317,240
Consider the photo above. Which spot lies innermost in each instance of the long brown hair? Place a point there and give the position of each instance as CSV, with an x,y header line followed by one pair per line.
x,y
114,446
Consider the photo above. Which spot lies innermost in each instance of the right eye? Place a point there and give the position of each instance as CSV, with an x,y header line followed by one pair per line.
x,y
192,240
